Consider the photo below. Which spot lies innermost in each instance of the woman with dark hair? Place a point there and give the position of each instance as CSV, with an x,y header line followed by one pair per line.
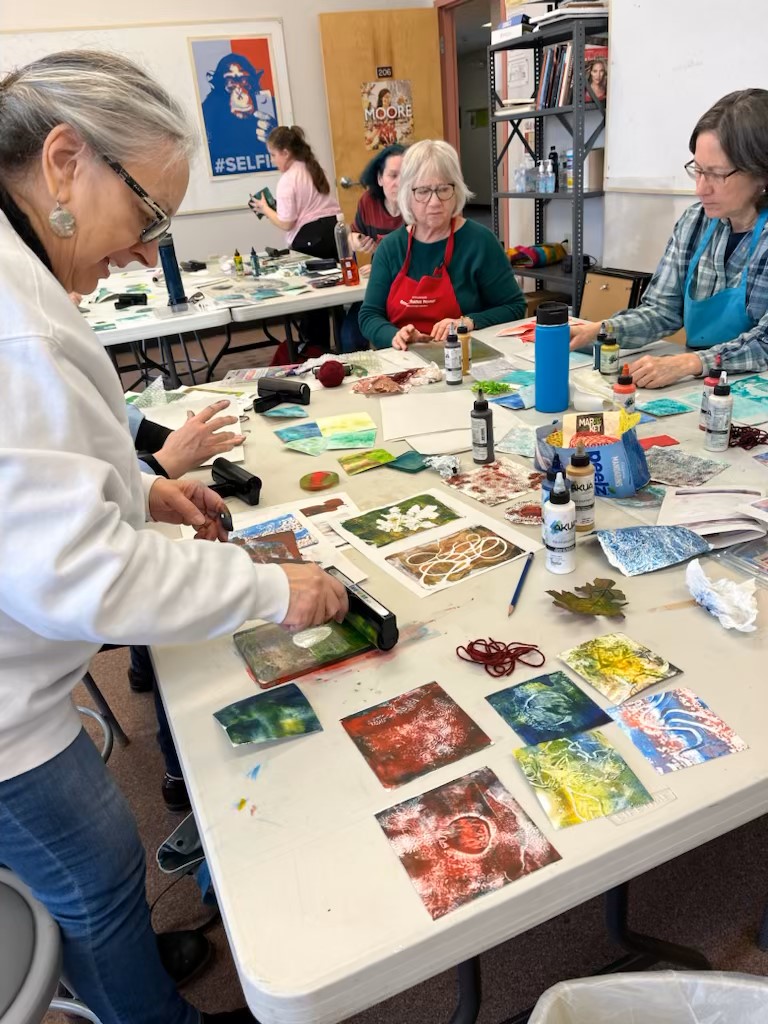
x,y
306,211
377,215
713,277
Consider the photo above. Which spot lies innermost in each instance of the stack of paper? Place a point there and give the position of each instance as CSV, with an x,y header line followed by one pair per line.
x,y
716,513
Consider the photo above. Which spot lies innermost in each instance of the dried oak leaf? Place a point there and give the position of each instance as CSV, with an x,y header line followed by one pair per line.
x,y
597,598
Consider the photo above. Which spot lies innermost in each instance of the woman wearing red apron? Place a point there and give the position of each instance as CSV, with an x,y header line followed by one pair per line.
x,y
439,268
713,278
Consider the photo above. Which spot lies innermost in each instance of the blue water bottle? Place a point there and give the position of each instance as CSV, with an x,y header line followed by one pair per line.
x,y
176,296
552,342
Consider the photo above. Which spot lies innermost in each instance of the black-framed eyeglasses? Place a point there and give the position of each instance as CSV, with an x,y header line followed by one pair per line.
x,y
161,225
713,177
423,193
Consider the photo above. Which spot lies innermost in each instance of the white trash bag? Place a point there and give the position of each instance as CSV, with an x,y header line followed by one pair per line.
x,y
657,997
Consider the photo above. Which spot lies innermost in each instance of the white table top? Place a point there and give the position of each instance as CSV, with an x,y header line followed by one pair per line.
x,y
321,916
301,302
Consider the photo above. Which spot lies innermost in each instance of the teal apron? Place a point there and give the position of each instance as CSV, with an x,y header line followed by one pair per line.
x,y
723,316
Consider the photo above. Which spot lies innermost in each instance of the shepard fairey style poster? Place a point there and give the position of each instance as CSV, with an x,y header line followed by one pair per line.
x,y
239,104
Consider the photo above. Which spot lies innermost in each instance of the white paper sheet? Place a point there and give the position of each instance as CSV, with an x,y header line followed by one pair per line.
x,y
469,517
717,513
417,413
448,443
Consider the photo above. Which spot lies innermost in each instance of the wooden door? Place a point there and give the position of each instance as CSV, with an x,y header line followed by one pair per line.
x,y
364,52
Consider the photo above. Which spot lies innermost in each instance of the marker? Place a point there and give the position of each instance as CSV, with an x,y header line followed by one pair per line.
x,y
520,582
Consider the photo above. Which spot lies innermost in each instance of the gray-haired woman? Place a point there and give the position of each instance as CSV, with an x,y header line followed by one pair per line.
x,y
439,268
93,163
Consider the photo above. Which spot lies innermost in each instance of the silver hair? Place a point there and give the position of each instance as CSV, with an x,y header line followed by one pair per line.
x,y
117,108
430,157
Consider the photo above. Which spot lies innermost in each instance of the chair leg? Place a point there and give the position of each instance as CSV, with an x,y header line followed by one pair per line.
x,y
468,1003
616,916
104,709
74,1008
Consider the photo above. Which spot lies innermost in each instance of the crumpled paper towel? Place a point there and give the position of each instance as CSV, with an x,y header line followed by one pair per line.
x,y
446,465
734,605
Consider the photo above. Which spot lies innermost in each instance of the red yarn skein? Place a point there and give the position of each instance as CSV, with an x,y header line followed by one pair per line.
x,y
331,373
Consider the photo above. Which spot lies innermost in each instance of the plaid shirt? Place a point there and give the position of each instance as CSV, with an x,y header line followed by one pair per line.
x,y
660,312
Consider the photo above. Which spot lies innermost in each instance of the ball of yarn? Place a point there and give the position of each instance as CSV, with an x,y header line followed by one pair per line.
x,y
331,373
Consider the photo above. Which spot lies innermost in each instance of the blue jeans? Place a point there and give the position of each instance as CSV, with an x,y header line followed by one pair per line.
x,y
67,832
352,339
141,663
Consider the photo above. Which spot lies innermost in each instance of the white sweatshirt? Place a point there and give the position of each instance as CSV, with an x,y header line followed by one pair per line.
x,y
77,567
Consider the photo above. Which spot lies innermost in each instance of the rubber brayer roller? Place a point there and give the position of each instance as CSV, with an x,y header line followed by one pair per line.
x,y
367,615
274,390
231,481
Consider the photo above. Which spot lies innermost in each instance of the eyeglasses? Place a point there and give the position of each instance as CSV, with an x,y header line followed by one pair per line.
x,y
162,222
423,193
711,177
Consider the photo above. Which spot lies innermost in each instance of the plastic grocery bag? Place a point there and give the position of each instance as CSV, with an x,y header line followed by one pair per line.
x,y
659,997
620,467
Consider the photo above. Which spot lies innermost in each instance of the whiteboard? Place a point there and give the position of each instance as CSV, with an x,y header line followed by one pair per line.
x,y
163,50
670,60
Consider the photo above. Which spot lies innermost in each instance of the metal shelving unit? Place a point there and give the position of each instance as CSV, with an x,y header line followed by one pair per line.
x,y
573,118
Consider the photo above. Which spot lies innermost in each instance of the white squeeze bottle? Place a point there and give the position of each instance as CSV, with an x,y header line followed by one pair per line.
x,y
559,529
719,415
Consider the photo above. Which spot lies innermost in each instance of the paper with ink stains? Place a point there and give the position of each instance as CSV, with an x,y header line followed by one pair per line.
x,y
435,565
413,734
275,655
280,714
547,708
680,468
580,778
464,839
676,729
617,666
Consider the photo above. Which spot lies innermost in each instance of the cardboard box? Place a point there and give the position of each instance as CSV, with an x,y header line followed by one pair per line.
x,y
594,167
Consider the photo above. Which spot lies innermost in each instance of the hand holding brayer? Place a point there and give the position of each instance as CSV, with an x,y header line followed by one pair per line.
x,y
315,596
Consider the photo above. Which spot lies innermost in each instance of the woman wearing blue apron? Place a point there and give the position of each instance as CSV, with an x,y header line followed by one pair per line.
x,y
713,277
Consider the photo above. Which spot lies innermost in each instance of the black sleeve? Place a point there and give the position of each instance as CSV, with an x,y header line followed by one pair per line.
x,y
150,437
153,464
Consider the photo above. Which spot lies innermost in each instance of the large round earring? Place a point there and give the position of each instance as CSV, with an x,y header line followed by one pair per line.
x,y
62,222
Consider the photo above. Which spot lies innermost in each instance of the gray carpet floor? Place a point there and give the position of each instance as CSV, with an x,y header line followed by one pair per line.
x,y
711,898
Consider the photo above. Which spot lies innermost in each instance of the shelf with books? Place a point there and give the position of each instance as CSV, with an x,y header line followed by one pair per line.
x,y
524,115
570,64
591,193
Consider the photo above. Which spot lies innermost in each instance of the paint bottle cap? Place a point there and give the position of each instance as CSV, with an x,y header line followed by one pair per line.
x,y
625,377
462,329
559,495
554,469
580,457
481,402
236,253
723,387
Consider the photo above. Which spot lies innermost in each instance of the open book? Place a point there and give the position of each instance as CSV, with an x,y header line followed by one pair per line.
x,y
717,513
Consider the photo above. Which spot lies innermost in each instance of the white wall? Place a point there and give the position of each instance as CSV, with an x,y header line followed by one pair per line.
x,y
199,235
474,142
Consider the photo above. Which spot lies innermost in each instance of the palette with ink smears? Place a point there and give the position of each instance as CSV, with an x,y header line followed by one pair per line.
x,y
273,655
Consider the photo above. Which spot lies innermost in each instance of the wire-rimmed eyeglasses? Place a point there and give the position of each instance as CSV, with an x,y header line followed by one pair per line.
x,y
162,222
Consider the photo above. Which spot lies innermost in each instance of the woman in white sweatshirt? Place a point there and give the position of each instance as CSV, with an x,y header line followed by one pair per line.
x,y
93,163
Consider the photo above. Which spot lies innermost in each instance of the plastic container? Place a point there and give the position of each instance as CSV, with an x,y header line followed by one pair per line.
x,y
171,272
719,416
254,261
609,353
559,530
581,476
555,161
529,167
452,357
237,259
350,273
549,480
549,177
465,340
552,352
624,391
482,431
658,997
706,394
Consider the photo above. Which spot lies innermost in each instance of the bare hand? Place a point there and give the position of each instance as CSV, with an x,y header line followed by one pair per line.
x,y
258,205
315,598
197,441
362,243
584,334
408,335
442,328
365,270
659,371
187,503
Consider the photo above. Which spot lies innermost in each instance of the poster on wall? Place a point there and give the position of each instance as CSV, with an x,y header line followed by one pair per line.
x,y
387,113
238,102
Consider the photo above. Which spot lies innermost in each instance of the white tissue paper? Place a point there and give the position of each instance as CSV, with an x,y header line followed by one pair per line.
x,y
734,605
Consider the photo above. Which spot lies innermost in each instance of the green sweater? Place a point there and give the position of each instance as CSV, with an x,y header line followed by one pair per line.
x,y
479,270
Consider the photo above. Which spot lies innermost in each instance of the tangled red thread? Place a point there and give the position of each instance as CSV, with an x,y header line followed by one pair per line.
x,y
747,438
499,659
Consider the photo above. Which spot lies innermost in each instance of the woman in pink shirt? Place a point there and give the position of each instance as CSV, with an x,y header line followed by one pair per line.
x,y
305,209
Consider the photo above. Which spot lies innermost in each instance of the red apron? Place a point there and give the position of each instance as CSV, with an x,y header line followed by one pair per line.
x,y
423,303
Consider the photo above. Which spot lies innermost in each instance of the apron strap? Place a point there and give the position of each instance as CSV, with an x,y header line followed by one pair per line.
x,y
447,257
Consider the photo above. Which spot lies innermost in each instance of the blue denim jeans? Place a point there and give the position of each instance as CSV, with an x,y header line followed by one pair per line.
x,y
67,832
352,339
